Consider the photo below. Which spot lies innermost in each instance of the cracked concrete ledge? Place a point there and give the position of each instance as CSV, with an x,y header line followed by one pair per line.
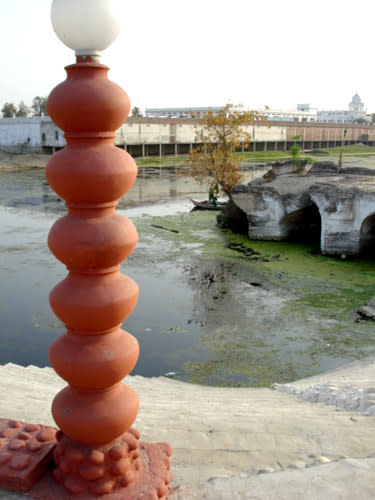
x,y
239,444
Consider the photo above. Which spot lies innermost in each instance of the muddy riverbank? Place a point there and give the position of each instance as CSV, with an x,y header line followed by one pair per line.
x,y
214,308
11,161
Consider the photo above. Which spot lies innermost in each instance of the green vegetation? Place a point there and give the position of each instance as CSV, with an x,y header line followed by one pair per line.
x,y
9,110
22,110
295,149
264,156
39,105
136,111
246,158
38,108
164,161
352,150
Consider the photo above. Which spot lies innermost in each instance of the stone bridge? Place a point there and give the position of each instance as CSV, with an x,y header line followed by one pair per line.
x,y
336,209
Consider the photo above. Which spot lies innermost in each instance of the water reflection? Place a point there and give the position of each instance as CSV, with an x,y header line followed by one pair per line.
x,y
153,186
27,326
30,189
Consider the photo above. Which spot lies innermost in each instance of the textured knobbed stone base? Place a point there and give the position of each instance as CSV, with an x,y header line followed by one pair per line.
x,y
122,470
25,453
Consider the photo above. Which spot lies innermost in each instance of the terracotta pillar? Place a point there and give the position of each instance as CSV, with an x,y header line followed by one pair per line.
x,y
98,453
90,173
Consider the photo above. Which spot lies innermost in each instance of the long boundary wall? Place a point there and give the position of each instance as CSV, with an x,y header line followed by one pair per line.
x,y
173,136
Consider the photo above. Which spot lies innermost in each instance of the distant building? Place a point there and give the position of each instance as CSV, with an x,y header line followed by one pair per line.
x,y
179,112
355,113
30,134
303,113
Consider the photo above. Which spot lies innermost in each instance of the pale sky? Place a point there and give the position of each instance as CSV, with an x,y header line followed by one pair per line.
x,y
208,52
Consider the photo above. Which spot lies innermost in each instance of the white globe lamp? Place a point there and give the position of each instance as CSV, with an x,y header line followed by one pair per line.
x,y
86,26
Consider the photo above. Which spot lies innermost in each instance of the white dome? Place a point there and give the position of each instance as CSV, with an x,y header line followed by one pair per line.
x,y
356,99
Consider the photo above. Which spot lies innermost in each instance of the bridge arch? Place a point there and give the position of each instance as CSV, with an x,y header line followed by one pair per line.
x,y
367,236
303,225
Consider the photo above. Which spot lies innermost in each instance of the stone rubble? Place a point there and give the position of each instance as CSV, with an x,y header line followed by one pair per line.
x,y
368,311
344,398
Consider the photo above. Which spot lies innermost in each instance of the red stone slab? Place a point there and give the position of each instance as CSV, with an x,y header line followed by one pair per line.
x,y
25,453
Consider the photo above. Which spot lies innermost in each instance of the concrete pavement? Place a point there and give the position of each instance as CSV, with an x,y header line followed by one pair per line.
x,y
230,444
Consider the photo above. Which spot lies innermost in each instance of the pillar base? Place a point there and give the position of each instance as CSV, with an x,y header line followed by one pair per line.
x,y
122,470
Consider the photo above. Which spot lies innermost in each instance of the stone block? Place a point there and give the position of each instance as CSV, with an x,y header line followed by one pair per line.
x,y
25,453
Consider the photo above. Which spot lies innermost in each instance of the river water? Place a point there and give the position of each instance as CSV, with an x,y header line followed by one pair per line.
x,y
198,318
28,208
